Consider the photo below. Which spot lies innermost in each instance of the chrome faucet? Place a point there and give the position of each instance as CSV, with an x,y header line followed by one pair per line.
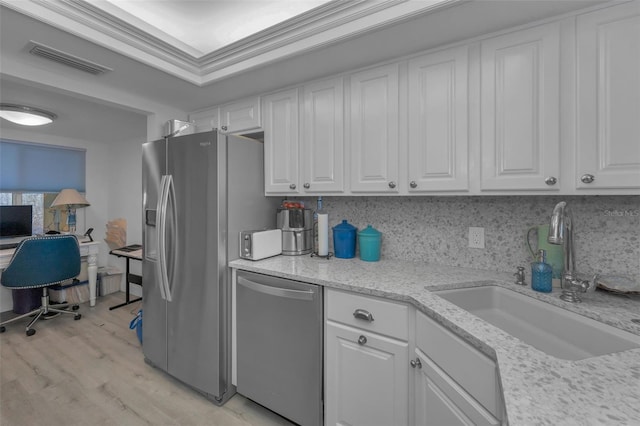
x,y
561,232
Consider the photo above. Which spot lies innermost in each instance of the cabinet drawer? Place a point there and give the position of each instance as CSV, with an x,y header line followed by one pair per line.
x,y
388,318
472,370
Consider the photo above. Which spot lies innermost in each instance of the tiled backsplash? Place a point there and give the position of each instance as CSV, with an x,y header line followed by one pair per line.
x,y
435,229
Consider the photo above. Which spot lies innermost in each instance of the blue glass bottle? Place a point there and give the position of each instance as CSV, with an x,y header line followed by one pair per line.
x,y
541,274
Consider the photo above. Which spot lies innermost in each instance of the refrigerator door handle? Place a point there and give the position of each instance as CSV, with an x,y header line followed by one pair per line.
x,y
171,202
276,291
161,225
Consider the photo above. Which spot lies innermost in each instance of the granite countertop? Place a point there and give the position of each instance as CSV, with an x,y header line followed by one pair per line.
x,y
538,388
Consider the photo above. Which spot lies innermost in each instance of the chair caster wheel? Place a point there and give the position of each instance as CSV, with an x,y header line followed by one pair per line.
x,y
75,307
77,317
31,332
2,329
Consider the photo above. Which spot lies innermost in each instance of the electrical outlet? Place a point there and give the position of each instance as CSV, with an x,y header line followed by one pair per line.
x,y
476,237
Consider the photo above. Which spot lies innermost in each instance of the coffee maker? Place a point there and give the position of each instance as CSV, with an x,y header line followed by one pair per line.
x,y
297,230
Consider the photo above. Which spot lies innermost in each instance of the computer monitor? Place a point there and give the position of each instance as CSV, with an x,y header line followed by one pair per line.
x,y
16,221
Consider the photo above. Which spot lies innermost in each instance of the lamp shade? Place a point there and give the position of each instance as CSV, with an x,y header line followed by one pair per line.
x,y
69,198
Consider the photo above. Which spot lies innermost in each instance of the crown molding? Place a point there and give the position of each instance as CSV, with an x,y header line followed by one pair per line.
x,y
328,24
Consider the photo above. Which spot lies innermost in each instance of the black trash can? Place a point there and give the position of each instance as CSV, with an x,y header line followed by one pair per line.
x,y
26,300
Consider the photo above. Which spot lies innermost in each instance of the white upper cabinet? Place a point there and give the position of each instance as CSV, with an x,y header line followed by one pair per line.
x,y
322,143
240,116
205,120
281,139
520,83
374,116
437,151
608,130
552,108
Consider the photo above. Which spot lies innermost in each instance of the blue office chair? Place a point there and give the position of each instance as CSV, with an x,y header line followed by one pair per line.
x,y
43,261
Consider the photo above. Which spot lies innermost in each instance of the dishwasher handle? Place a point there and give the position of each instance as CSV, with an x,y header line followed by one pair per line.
x,y
276,291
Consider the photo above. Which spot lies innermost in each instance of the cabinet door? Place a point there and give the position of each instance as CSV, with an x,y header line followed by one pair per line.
x,y
281,142
438,109
366,378
374,130
206,120
322,145
439,400
240,116
520,110
608,131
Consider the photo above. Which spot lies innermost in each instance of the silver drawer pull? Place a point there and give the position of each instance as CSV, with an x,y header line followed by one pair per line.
x,y
363,315
362,340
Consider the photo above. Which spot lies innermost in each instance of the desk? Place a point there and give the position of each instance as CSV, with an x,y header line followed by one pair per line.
x,y
88,249
134,252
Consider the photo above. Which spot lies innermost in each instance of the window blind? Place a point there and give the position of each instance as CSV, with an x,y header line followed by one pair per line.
x,y
33,167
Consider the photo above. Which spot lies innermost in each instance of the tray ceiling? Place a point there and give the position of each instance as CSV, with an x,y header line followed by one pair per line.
x,y
201,27
206,41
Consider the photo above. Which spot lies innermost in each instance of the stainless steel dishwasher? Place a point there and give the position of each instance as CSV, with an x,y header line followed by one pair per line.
x,y
280,346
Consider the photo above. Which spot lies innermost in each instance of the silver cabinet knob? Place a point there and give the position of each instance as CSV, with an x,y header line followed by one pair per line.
x,y
587,178
224,128
307,185
416,363
551,180
392,184
292,186
362,340
413,184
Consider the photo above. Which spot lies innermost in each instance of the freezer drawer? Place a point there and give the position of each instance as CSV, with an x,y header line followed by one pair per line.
x,y
279,345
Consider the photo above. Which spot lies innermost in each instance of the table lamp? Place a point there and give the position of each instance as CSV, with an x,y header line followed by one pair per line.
x,y
71,199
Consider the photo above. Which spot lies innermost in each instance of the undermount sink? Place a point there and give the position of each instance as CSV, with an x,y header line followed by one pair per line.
x,y
551,329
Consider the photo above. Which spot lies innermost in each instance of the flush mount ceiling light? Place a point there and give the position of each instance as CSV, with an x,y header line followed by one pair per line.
x,y
25,115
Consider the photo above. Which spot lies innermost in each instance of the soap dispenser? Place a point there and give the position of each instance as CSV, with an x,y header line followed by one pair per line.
x,y
541,273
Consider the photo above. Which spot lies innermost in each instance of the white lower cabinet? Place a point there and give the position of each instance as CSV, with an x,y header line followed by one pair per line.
x,y
366,378
454,384
381,370
440,401
366,360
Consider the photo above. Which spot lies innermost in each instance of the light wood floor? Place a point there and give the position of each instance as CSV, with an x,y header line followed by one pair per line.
x,y
92,372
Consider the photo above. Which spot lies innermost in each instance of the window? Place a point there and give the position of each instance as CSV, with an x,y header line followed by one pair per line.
x,y
32,173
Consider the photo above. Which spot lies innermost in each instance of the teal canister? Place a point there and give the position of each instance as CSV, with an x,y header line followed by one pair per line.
x,y
344,240
369,241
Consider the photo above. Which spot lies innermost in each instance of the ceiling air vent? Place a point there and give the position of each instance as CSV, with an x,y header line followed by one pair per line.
x,y
64,58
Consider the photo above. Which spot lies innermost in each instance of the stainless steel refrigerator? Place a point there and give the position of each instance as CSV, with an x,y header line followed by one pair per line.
x,y
199,192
